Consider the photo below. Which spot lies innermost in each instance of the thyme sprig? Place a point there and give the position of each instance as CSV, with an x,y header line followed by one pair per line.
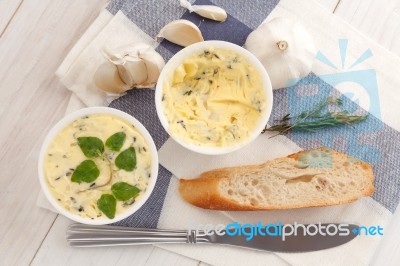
x,y
315,119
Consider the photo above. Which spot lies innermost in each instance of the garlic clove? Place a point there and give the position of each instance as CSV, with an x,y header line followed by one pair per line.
x,y
107,79
181,32
127,67
154,63
113,56
133,71
211,12
207,11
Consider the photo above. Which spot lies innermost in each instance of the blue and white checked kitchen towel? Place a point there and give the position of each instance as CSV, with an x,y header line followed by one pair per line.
x,y
141,103
376,140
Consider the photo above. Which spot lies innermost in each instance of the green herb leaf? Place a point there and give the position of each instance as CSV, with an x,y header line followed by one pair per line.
x,y
123,191
116,141
108,205
86,171
91,146
126,160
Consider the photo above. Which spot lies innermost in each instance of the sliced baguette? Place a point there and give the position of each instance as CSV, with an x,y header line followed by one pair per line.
x,y
319,177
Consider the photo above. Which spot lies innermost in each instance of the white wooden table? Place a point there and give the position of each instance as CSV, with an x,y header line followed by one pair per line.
x,y
35,36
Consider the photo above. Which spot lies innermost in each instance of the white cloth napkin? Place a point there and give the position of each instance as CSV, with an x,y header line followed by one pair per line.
x,y
77,71
184,163
76,74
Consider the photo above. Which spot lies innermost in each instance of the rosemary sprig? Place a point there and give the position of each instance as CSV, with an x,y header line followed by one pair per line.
x,y
315,119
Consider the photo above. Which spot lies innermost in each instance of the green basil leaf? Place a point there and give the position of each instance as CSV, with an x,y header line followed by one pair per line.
x,y
124,191
108,205
91,146
87,171
126,160
116,141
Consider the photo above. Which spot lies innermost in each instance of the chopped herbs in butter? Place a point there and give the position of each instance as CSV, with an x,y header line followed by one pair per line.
x,y
102,174
216,98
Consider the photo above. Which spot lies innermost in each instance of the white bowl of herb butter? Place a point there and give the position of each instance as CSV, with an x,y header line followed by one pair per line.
x,y
98,165
213,97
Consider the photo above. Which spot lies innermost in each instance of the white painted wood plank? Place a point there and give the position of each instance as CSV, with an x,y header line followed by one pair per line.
x,y
328,4
379,20
31,100
55,251
34,44
163,257
8,8
55,247
388,252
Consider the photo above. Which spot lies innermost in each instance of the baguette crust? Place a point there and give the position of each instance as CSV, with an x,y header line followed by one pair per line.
x,y
204,191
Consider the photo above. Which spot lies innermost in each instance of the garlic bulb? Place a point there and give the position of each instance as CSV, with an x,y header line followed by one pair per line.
x,y
207,11
285,48
133,66
181,32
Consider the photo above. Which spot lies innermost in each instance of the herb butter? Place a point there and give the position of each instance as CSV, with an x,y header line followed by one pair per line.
x,y
68,157
216,98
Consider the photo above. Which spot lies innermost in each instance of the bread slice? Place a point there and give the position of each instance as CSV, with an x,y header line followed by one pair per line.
x,y
319,177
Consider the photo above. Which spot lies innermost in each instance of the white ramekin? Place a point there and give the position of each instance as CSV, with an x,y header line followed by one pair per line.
x,y
176,60
69,119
